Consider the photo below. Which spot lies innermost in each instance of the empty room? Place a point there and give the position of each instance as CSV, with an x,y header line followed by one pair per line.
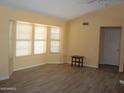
x,y
61,46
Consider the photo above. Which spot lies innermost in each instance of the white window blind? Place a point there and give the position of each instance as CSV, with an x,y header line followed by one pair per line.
x,y
40,39
55,40
23,39
32,38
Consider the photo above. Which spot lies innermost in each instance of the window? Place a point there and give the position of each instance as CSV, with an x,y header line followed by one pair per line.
x,y
55,40
32,39
40,39
23,39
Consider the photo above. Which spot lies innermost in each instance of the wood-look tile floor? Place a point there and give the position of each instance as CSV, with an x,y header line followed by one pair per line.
x,y
64,79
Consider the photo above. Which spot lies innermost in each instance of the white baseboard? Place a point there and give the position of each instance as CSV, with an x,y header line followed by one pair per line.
x,y
87,65
92,66
122,82
7,77
55,62
4,78
50,62
29,67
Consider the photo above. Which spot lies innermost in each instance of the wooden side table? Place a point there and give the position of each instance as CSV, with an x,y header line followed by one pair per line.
x,y
76,59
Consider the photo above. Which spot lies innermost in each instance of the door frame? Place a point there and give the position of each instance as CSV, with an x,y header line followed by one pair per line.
x,y
120,54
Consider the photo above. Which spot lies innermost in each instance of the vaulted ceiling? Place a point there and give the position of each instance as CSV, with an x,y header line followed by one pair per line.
x,y
64,9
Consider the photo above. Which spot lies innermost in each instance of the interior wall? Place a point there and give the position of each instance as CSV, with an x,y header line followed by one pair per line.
x,y
11,49
82,40
85,39
4,43
7,14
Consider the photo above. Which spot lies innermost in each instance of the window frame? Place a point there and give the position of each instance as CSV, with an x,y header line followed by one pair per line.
x,y
50,35
16,23
45,40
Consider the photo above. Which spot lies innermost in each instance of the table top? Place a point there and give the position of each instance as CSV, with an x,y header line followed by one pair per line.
x,y
77,56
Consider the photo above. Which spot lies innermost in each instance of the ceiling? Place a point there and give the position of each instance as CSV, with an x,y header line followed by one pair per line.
x,y
64,9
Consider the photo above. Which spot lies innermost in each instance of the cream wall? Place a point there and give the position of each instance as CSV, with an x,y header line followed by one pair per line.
x,y
3,46
84,40
6,15
76,39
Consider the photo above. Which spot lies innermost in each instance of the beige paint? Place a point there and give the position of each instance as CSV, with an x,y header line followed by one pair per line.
x,y
85,40
6,60
76,39
4,43
11,48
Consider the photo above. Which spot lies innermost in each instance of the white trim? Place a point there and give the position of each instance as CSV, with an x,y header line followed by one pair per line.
x,y
49,62
87,65
4,78
55,62
92,66
120,70
7,77
22,68
122,82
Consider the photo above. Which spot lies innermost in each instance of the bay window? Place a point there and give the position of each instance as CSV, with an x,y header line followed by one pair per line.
x,y
31,39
